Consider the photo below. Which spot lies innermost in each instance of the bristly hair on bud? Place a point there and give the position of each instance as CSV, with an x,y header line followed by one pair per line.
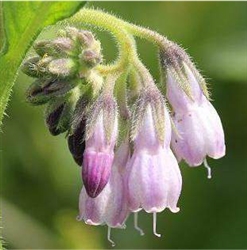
x,y
149,96
107,105
43,90
174,60
76,140
58,113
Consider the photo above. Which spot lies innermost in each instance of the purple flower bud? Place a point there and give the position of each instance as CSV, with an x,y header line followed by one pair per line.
x,y
96,171
62,68
110,206
153,177
64,46
101,137
59,47
85,38
76,143
42,90
58,113
90,57
76,140
52,120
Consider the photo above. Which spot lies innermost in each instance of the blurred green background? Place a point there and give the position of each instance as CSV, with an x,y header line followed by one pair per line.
x,y
41,183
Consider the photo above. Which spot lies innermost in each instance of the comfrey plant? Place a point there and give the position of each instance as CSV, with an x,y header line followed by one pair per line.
x,y
117,122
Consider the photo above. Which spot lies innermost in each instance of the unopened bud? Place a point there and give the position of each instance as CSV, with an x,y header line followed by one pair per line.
x,y
58,115
42,90
64,46
76,143
36,66
76,140
44,47
52,119
90,57
35,93
30,68
86,38
62,68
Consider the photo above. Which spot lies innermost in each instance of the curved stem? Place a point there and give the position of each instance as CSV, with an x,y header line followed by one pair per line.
x,y
147,34
115,27
126,43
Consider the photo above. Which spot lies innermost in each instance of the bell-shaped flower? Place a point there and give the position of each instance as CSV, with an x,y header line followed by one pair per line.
x,y
153,176
199,132
101,135
154,180
110,206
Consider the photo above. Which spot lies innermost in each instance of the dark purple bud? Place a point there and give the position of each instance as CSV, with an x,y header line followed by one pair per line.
x,y
42,90
96,171
35,94
52,120
76,140
76,143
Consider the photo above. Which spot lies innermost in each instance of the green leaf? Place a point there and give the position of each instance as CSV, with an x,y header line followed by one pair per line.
x,y
20,24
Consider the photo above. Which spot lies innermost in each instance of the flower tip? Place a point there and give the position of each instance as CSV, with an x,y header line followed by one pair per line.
x,y
93,193
91,223
93,187
96,172
120,226
174,209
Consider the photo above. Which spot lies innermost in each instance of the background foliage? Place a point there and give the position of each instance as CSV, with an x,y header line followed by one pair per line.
x,y
41,183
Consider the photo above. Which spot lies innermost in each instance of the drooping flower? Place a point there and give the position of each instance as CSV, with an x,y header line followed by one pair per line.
x,y
110,206
154,180
199,129
101,135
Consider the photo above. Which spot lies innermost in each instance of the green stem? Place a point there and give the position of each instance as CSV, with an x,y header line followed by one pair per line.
x,y
147,34
121,95
127,49
146,77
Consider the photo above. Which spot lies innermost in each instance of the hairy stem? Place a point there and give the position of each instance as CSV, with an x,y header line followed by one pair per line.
x,y
147,34
113,25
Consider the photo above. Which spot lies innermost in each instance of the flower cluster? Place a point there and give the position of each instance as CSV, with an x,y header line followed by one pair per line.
x,y
62,67
119,128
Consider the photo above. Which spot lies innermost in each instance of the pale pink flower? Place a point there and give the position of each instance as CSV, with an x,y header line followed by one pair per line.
x,y
110,206
199,129
154,180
